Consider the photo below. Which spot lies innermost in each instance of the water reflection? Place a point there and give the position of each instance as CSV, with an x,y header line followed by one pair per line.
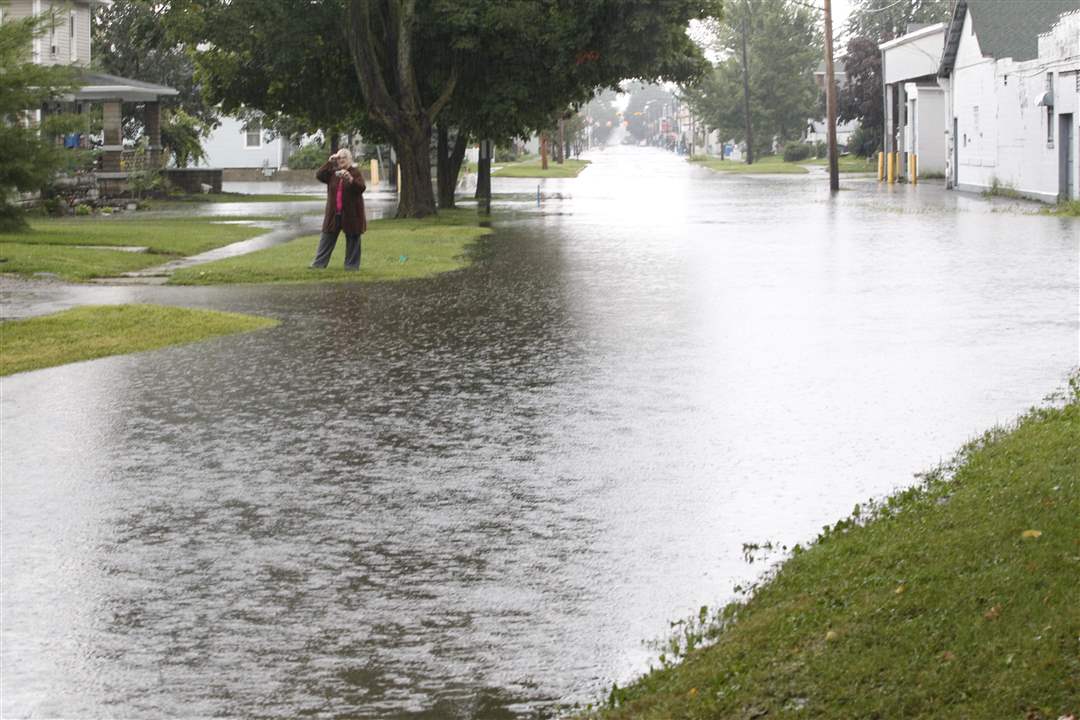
x,y
474,496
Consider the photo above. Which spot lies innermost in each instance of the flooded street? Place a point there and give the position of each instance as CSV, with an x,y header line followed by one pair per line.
x,y
477,496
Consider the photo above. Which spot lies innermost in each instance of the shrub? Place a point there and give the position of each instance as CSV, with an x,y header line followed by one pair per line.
x,y
821,150
865,142
795,151
309,157
83,210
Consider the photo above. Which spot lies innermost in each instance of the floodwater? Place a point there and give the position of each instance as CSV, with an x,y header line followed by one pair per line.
x,y
477,496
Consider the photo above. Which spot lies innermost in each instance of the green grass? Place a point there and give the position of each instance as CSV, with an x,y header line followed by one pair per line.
x,y
47,246
99,331
531,169
848,164
182,200
955,599
775,165
768,165
391,250
1070,208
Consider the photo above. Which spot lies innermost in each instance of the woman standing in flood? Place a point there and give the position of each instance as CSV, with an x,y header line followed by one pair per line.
x,y
344,210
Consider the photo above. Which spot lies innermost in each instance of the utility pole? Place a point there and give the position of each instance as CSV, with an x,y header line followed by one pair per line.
x,y
746,89
830,100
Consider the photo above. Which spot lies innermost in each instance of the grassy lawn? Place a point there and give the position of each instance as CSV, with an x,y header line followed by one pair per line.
x,y
956,599
47,245
531,169
775,165
768,165
225,197
848,164
98,331
390,250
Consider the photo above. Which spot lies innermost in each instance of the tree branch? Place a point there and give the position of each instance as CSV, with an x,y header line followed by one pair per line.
x,y
361,39
447,93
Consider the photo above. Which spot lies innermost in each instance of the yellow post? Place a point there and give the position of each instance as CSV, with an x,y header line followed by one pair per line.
x,y
892,168
880,166
914,169
374,172
399,179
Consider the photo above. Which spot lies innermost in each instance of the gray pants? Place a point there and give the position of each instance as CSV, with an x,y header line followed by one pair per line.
x,y
328,240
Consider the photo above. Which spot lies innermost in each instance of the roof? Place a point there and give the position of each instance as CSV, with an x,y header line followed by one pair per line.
x,y
99,86
1005,28
917,33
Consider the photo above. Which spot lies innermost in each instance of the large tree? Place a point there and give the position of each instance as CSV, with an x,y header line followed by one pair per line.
x,y
881,20
29,155
396,66
783,46
130,40
861,98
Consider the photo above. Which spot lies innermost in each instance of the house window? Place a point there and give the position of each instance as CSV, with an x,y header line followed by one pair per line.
x,y
72,43
1050,126
1006,80
253,134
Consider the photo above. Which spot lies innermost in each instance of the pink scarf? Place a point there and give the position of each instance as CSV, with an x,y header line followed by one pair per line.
x,y
340,191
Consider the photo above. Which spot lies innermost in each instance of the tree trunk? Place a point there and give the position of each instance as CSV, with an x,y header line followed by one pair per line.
x,y
561,156
416,197
483,177
543,151
444,184
382,47
449,164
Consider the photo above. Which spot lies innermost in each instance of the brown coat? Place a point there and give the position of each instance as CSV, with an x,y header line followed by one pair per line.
x,y
353,219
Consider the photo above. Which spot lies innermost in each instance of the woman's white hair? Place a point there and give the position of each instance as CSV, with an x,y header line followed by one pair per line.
x,y
344,152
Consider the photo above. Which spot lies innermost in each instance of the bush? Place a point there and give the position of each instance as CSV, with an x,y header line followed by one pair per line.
x,y
795,151
821,150
310,157
865,142
82,210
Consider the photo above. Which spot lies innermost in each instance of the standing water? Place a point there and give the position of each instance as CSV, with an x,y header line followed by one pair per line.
x,y
477,495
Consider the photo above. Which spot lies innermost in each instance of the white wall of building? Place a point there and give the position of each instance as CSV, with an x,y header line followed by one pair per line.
x,y
914,55
68,42
229,147
1005,137
926,134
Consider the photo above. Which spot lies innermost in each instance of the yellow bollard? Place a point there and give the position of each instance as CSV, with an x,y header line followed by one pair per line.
x,y
914,169
399,179
880,166
892,168
374,171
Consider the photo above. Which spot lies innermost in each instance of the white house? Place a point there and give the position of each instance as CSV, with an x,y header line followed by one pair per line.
x,y
238,145
67,42
915,115
1012,72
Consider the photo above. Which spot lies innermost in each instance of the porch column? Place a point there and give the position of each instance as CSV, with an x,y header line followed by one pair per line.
x,y
902,126
152,121
113,148
890,127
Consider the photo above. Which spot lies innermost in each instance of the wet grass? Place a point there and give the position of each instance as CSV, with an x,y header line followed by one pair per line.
x,y
1070,208
390,250
847,163
953,599
769,165
775,165
225,197
91,332
48,245
532,169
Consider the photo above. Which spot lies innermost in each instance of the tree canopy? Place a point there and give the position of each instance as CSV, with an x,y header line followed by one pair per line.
x,y
784,45
882,20
392,68
29,155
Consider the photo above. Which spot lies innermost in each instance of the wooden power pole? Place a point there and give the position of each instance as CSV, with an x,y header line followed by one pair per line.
x,y
830,100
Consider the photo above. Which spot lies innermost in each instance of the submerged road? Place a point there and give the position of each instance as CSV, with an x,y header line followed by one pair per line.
x,y
476,496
